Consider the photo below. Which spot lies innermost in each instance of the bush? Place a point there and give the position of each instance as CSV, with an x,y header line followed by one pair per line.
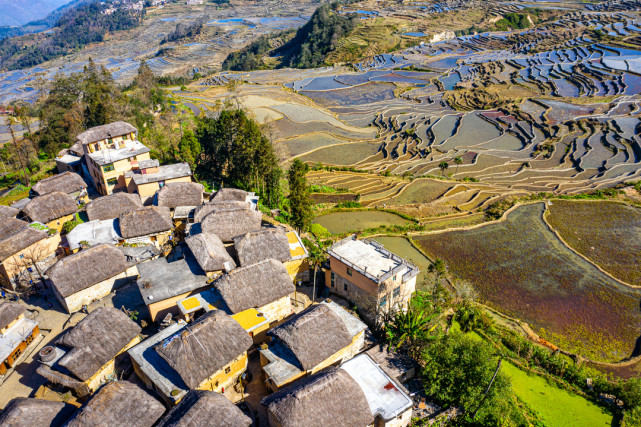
x,y
69,225
349,204
319,231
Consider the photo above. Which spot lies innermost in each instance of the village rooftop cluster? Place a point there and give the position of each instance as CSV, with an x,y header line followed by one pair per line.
x,y
220,285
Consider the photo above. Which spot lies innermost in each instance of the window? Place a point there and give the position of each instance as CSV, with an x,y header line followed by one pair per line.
x,y
111,140
345,286
396,292
383,302
394,278
112,181
333,279
349,271
228,369
108,168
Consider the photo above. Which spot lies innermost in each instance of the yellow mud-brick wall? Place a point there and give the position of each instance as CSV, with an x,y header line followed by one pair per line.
x,y
297,269
11,324
147,191
401,420
277,310
57,224
227,376
344,354
159,309
108,368
44,248
100,290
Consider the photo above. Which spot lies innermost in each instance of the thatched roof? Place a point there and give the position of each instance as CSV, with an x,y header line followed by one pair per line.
x,y
112,206
50,206
145,221
255,285
96,340
16,236
119,403
202,408
228,194
203,210
204,347
66,182
229,222
176,194
86,268
24,412
210,252
107,131
329,398
259,245
313,335
9,311
8,212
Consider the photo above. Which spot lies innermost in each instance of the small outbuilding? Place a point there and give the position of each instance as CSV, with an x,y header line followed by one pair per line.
x,y
112,206
90,275
90,234
85,356
25,412
202,408
17,332
119,403
211,253
52,209
150,224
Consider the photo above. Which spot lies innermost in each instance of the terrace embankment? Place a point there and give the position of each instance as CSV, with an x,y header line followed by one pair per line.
x,y
521,268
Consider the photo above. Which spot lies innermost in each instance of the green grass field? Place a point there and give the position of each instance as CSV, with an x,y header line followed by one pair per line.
x,y
556,406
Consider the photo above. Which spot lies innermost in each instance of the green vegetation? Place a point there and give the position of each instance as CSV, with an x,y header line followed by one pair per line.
x,y
300,204
251,56
183,31
514,21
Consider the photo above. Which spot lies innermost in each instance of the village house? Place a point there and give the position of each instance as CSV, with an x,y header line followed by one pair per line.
x,y
276,243
208,354
164,281
150,177
265,286
86,356
397,365
91,233
180,194
228,219
149,225
89,275
322,335
17,332
26,412
110,151
206,408
235,195
119,403
375,279
211,253
112,206
7,212
67,182
67,161
359,393
24,249
52,210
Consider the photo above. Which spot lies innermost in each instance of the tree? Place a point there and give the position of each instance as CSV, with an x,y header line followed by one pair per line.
x,y
411,327
300,203
458,161
316,257
188,148
443,166
11,122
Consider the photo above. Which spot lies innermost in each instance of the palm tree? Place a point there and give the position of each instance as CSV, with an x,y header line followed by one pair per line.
x,y
443,166
411,326
316,256
458,161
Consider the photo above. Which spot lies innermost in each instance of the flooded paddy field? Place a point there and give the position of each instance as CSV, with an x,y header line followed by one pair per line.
x,y
343,222
521,268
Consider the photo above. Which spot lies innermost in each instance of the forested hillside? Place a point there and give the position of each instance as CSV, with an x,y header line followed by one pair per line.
x,y
16,13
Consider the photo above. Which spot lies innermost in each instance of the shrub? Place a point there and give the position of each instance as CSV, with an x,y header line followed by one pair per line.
x,y
349,204
319,231
69,225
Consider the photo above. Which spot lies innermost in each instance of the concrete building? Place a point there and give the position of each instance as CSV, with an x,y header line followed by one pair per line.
x,y
319,336
17,332
367,274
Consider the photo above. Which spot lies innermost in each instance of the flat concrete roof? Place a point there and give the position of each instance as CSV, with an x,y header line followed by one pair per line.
x,y
94,233
368,257
177,170
131,149
14,336
385,397
161,279
68,159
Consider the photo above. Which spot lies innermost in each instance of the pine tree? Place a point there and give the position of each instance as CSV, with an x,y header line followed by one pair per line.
x,y
300,203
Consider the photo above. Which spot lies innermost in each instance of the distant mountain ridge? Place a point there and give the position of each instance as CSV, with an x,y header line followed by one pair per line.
x,y
37,22
17,13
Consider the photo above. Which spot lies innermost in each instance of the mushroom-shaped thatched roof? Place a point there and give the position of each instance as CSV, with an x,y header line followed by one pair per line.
x,y
313,335
86,268
203,348
16,236
50,206
96,340
329,398
8,212
25,412
9,311
107,131
66,182
202,408
255,285
210,252
145,221
229,194
119,403
257,246
112,206
228,222
203,210
177,194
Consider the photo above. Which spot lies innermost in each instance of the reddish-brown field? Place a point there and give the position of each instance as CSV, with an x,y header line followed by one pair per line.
x,y
522,269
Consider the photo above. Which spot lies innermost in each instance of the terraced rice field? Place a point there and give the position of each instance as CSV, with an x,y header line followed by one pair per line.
x,y
342,155
343,222
521,268
418,191
403,248
607,233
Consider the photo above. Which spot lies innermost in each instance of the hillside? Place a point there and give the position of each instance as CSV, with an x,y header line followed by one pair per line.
x,y
17,13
